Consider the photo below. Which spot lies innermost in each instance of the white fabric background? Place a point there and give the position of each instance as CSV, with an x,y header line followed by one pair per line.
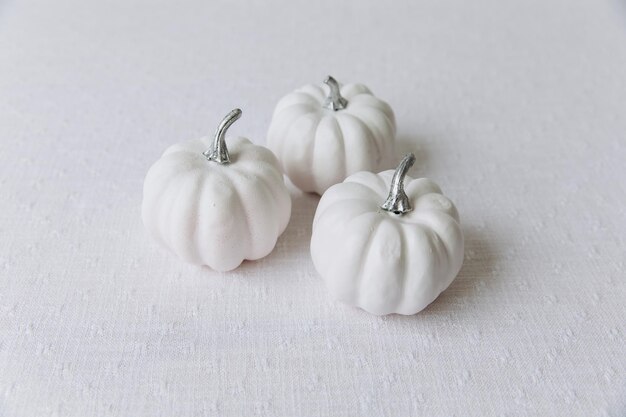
x,y
517,109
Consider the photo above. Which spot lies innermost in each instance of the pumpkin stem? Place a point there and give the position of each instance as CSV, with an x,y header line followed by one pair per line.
x,y
398,202
218,151
334,101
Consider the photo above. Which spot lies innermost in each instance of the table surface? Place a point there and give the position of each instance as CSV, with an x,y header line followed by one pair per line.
x,y
515,108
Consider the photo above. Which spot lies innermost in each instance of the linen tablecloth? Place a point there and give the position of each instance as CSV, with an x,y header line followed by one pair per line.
x,y
517,109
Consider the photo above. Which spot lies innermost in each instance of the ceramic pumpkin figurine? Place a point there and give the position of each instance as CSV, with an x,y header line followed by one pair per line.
x,y
322,134
216,205
391,258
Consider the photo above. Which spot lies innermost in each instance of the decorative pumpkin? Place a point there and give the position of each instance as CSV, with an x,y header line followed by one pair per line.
x,y
322,134
394,258
219,206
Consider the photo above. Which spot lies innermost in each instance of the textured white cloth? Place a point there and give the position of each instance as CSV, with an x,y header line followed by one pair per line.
x,y
515,108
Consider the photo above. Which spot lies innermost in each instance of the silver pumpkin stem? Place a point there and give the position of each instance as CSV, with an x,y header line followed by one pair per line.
x,y
219,152
398,202
334,101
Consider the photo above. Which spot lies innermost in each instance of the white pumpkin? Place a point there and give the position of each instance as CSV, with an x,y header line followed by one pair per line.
x,y
322,134
394,258
214,207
